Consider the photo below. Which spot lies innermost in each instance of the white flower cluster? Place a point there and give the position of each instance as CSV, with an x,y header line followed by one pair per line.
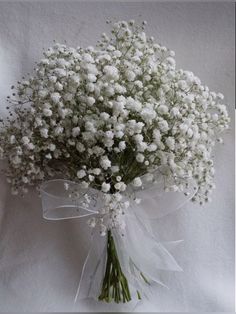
x,y
105,116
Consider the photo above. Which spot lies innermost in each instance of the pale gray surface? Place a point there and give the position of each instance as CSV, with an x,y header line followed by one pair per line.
x,y
40,261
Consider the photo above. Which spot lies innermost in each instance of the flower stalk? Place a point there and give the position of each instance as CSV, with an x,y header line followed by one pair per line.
x,y
115,286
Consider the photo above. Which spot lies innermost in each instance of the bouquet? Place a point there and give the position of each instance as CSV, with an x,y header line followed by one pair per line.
x,y
106,126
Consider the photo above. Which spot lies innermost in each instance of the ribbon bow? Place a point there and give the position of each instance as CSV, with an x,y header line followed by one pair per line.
x,y
141,256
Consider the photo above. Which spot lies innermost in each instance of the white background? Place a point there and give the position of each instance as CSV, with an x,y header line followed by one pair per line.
x,y
40,261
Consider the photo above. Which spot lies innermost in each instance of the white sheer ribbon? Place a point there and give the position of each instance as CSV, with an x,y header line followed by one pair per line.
x,y
142,257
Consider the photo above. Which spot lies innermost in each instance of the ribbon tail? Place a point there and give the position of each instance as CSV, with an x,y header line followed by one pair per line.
x,y
93,270
82,275
143,257
171,245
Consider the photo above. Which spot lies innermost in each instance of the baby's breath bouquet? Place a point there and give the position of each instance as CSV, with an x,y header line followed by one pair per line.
x,y
112,120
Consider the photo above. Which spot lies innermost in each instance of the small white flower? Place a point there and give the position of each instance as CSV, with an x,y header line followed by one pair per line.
x,y
30,146
66,186
25,140
137,200
91,178
60,72
88,58
44,132
182,84
140,157
55,97
183,127
12,139
148,177
104,115
215,117
105,162
25,179
111,72
59,86
122,145
91,78
90,101
38,121
52,147
43,93
175,111
53,79
48,156
103,230
106,187
75,131
190,132
121,186
47,112
16,160
163,109
137,182
220,96
84,184
68,97
96,171
130,75
63,112
58,130
126,204
80,147
92,222
170,142
163,124
81,174
152,147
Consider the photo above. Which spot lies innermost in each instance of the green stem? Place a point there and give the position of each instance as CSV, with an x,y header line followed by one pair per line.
x,y
139,295
115,285
145,279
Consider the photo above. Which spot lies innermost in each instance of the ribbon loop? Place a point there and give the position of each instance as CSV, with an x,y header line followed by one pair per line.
x,y
64,199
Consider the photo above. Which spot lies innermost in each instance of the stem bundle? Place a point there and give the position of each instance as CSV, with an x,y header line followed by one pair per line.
x,y
115,285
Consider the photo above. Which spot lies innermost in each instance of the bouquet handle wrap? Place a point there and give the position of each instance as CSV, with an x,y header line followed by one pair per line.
x,y
142,257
